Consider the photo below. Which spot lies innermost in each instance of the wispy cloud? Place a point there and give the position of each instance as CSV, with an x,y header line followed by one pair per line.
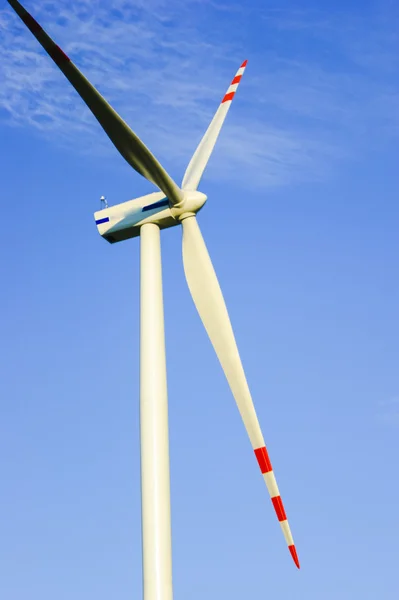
x,y
164,65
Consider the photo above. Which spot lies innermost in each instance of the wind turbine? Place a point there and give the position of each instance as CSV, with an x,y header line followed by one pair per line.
x,y
145,217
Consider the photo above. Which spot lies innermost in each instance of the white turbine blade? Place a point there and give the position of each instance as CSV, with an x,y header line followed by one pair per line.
x,y
200,158
124,139
208,299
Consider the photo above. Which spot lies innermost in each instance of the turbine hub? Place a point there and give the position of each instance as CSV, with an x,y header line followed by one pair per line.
x,y
192,202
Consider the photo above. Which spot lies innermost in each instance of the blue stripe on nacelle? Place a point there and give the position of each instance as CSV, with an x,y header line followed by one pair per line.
x,y
159,204
104,220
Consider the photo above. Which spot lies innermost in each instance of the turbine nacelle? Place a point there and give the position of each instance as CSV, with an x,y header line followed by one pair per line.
x,y
123,221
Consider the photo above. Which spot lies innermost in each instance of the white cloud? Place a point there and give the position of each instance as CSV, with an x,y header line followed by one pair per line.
x,y
164,66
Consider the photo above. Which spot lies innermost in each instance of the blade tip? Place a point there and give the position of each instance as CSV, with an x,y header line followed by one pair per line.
x,y
294,555
244,64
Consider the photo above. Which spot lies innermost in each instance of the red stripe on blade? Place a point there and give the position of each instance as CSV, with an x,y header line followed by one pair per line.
x,y
58,55
263,460
279,508
294,555
31,23
244,64
236,79
228,97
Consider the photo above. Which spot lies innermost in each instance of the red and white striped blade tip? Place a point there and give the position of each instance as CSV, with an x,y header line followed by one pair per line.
x,y
265,465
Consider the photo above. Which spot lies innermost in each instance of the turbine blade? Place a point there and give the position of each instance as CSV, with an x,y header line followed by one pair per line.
x,y
208,299
124,139
200,158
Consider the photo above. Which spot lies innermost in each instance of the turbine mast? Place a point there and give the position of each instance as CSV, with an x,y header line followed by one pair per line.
x,y
154,435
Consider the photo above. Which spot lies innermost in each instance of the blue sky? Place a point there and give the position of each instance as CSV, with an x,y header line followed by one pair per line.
x,y
301,223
